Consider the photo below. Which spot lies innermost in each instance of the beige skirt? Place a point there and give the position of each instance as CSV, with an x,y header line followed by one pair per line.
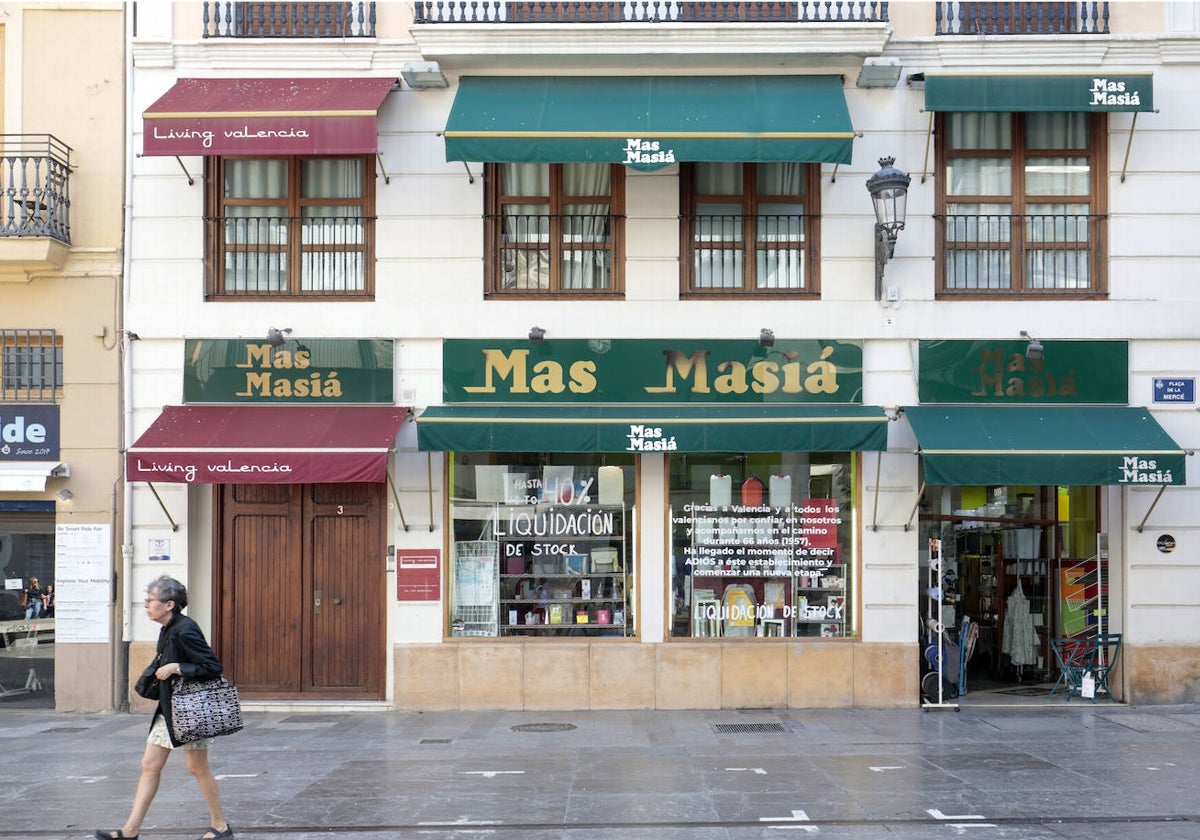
x,y
161,738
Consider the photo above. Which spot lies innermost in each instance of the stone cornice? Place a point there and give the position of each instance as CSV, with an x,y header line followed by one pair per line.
x,y
607,46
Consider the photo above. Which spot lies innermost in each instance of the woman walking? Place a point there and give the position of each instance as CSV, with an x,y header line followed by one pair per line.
x,y
182,651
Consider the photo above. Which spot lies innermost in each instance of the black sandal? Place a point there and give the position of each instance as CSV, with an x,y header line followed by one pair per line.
x,y
227,834
101,834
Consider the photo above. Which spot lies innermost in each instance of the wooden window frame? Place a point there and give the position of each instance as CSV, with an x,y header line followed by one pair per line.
x,y
1097,200
495,201
749,245
294,205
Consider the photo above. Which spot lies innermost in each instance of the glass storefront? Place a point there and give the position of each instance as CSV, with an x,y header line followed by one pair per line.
x,y
1032,546
27,606
542,545
763,544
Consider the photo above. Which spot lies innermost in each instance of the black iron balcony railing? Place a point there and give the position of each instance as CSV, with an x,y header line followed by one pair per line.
x,y
289,20
282,256
721,245
1052,252
1053,18
35,178
570,253
648,11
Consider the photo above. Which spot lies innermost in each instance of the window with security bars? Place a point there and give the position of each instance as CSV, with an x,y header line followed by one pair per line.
x,y
31,365
1022,204
554,229
291,227
749,229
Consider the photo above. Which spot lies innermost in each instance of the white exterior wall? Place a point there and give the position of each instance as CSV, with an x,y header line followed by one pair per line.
x,y
429,287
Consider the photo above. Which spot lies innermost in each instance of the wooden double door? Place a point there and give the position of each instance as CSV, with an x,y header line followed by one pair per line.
x,y
301,590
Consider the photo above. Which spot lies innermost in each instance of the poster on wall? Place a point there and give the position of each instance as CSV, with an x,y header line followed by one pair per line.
x,y
83,583
417,574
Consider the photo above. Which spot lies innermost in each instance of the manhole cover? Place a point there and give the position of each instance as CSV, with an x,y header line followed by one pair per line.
x,y
544,727
739,728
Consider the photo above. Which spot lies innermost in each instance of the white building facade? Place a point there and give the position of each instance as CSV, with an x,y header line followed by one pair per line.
x,y
544,358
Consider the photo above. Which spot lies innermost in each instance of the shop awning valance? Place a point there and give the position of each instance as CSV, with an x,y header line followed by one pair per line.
x,y
1040,92
1080,445
266,444
30,476
648,122
266,117
652,428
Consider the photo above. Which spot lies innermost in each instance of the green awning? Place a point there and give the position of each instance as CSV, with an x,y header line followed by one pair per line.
x,y
1040,92
1081,445
649,121
651,428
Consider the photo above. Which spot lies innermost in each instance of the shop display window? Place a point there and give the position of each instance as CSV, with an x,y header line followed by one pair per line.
x,y
763,544
542,545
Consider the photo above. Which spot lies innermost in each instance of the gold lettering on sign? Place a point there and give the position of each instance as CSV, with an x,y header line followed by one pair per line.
x,y
1004,374
549,376
497,365
694,367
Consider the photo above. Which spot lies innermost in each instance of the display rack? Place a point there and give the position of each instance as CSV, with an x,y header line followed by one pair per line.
x,y
476,575
546,590
937,647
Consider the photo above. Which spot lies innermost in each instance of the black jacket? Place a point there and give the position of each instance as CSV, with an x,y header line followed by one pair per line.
x,y
181,640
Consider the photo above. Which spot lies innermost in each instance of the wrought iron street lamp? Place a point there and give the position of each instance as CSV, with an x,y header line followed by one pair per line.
x,y
889,192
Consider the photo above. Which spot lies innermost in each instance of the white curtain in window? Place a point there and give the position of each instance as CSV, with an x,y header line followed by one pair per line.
x,y
525,267
256,178
1056,130
780,179
979,224
586,268
332,234
718,223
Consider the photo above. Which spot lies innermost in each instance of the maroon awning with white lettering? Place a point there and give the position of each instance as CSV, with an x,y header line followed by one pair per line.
x,y
266,444
266,117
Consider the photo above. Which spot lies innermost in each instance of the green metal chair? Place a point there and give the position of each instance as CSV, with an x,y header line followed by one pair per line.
x,y
1074,655
1105,651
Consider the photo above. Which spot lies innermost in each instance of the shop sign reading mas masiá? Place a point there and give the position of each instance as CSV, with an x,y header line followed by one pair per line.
x,y
999,372
652,371
312,371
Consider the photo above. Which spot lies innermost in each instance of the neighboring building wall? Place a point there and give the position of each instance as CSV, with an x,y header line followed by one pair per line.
x,y
64,75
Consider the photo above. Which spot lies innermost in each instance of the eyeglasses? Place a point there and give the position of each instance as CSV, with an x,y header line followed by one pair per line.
x,y
154,601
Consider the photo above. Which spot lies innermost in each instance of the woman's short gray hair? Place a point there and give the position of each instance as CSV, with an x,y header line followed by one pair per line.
x,y
169,589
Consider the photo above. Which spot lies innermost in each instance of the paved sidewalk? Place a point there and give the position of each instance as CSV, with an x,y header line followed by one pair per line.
x,y
1099,771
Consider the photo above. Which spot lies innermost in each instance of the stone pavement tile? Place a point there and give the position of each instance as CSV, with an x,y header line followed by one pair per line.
x,y
639,807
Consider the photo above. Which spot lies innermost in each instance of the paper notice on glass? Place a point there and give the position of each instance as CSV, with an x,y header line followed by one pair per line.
x,y
82,583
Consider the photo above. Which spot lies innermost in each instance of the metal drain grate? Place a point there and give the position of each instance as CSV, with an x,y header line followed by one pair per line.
x,y
544,727
436,740
66,729
748,728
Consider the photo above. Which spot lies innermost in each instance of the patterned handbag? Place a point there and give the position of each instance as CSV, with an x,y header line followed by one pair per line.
x,y
204,709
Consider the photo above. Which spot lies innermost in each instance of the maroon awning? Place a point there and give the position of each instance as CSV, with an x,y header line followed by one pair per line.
x,y
266,444
266,117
